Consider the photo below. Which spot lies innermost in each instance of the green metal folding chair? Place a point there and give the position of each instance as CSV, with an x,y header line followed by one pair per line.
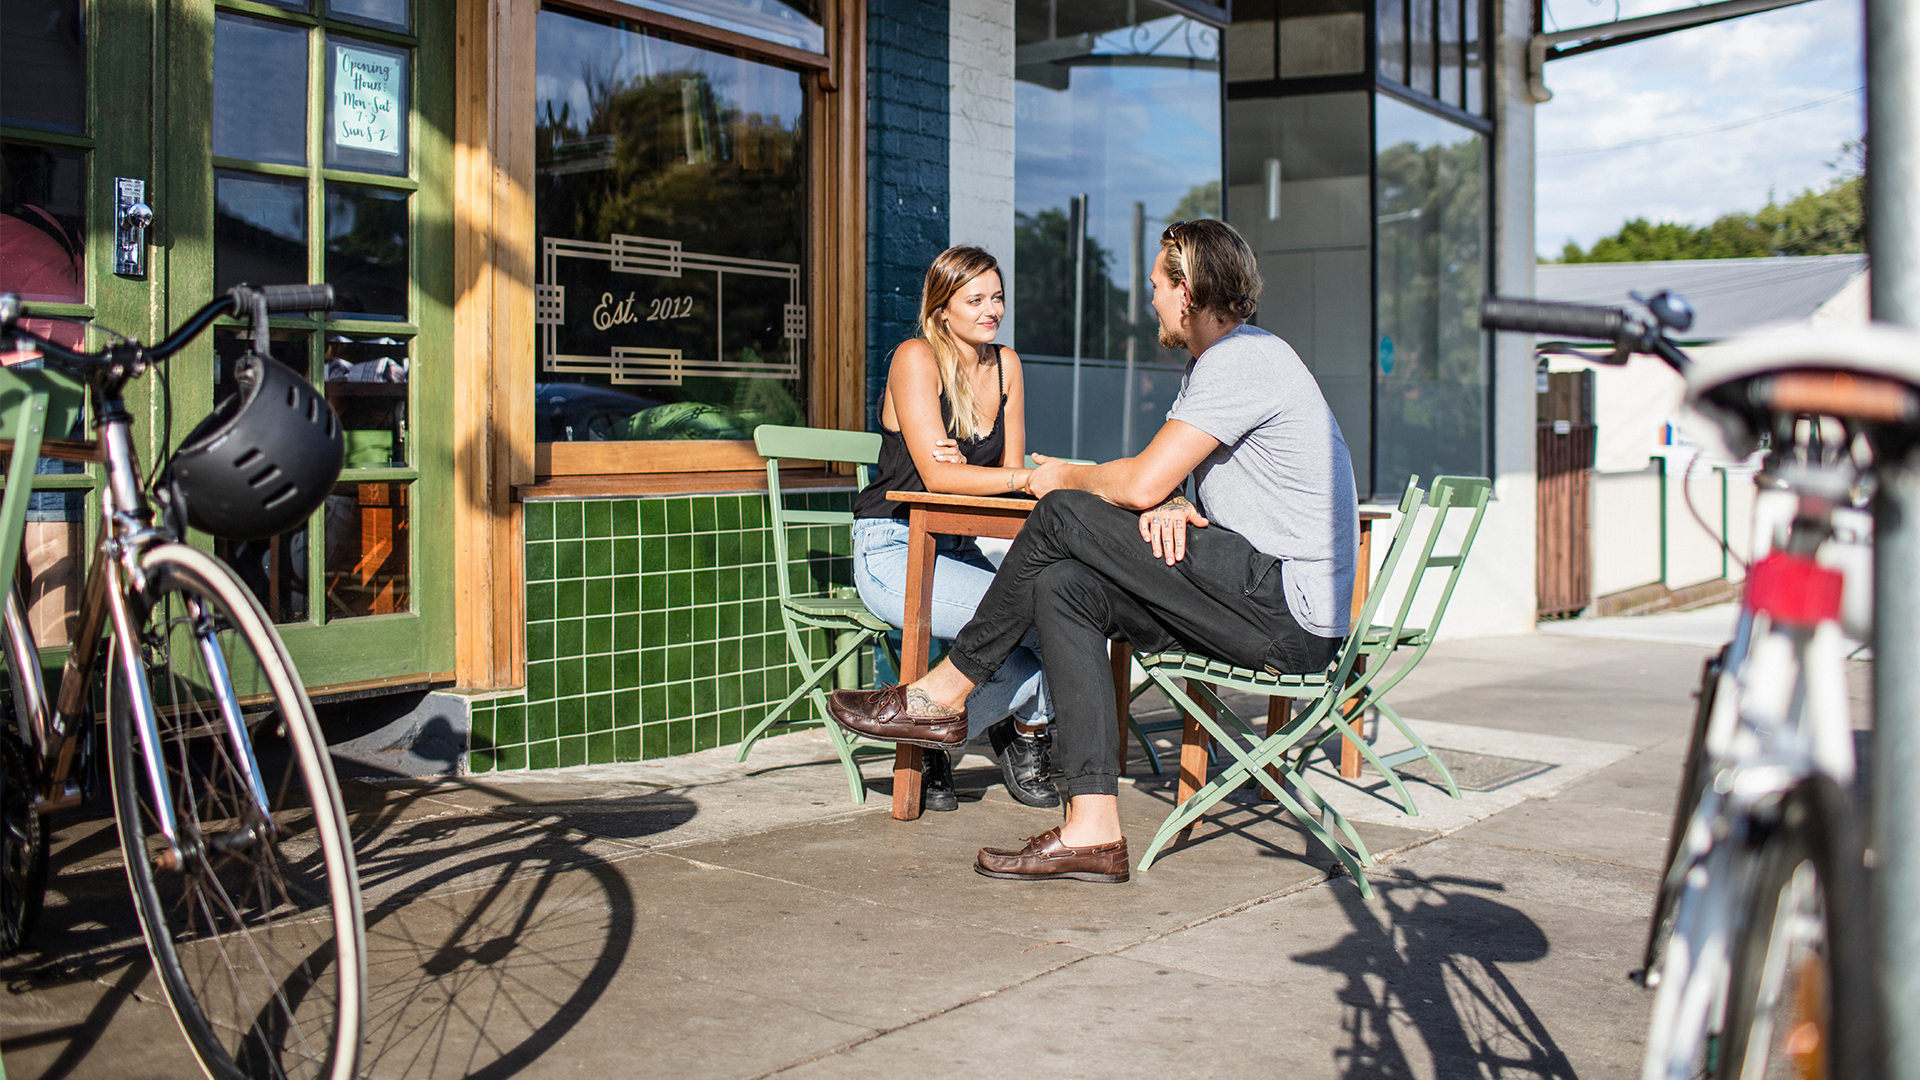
x,y
837,610
33,402
1334,698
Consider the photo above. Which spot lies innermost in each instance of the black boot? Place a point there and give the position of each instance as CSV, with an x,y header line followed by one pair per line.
x,y
1027,763
936,781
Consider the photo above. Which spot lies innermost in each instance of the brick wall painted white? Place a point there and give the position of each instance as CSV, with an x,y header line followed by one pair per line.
x,y
980,118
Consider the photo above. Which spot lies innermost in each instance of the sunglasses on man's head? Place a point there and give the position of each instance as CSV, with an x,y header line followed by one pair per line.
x,y
1171,236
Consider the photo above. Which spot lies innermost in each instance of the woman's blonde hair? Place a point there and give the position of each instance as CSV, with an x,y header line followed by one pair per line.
x,y
950,272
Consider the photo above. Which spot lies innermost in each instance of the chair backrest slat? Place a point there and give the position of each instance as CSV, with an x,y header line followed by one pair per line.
x,y
774,442
1451,498
1357,633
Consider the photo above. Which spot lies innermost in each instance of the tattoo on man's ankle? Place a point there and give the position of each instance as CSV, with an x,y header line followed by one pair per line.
x,y
920,703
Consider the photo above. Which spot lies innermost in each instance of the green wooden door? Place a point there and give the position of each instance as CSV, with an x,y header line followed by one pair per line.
x,y
292,141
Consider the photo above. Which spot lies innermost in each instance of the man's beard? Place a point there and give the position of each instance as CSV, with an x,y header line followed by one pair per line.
x,y
1172,338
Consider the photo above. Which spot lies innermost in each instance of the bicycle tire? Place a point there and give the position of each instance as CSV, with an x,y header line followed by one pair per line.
x,y
1799,992
290,1003
1692,782
23,833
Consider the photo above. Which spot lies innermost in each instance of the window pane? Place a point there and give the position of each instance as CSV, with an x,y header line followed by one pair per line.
x,y
368,560
1431,353
1420,29
1322,37
367,106
1313,238
274,568
1249,48
43,64
1475,59
670,202
367,385
1392,28
388,13
43,223
1450,31
367,251
259,230
259,90
795,22
1078,68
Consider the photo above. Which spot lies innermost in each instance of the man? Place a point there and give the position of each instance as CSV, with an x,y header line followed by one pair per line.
x,y
1259,573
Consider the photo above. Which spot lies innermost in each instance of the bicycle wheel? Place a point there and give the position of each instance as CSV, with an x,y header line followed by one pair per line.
x,y
255,928
23,835
1797,998
1692,780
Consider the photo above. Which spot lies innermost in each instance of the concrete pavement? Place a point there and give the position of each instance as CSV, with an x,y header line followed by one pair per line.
x,y
694,918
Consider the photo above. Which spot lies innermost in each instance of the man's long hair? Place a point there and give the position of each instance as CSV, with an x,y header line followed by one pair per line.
x,y
1217,266
950,272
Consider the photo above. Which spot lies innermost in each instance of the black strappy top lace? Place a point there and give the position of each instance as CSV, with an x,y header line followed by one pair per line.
x,y
896,471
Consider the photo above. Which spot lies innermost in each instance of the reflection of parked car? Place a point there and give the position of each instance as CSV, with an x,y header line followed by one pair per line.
x,y
580,412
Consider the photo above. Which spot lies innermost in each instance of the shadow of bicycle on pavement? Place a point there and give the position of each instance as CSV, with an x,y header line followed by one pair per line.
x,y
1426,989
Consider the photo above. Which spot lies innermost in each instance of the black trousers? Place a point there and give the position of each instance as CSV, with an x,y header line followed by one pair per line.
x,y
1080,573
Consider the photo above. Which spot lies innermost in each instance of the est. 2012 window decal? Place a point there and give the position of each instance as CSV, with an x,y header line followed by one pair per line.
x,y
645,312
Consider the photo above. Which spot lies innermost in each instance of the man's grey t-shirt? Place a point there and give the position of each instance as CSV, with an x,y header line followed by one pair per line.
x,y
1281,476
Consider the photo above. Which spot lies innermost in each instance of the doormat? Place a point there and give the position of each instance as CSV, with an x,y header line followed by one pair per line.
x,y
1473,772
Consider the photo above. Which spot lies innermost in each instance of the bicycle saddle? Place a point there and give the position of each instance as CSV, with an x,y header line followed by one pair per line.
x,y
1865,373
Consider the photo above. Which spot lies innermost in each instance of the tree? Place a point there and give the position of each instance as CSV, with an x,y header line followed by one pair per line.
x,y
1832,221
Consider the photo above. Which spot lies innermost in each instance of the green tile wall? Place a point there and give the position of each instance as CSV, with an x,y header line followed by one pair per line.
x,y
653,627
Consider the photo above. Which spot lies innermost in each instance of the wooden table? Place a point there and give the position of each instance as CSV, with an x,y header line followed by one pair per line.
x,y
928,515
1001,517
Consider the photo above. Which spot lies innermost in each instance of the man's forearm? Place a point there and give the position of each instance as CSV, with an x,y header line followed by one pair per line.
x,y
1122,482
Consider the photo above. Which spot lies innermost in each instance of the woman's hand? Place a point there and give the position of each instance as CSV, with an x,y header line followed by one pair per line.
x,y
1165,527
948,451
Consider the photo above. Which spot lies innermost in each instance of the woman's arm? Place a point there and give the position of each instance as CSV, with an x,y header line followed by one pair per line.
x,y
1016,421
913,382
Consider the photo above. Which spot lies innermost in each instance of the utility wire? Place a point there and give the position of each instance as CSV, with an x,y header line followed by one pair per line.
x,y
1703,131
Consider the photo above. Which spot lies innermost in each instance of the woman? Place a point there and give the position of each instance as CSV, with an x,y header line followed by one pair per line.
x,y
953,420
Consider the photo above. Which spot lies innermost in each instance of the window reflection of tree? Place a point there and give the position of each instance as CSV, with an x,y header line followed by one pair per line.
x,y
1431,280
677,155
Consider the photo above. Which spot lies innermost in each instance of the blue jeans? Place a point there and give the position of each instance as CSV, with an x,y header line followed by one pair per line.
x,y
961,574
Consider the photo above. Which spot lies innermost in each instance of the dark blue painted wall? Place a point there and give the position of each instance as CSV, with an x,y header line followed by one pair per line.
x,y
907,198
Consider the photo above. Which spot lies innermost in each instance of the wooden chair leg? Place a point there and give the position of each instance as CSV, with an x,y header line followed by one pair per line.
x,y
1279,712
1194,742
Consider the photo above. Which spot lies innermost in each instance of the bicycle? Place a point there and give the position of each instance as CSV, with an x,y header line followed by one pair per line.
x,y
1757,947
228,815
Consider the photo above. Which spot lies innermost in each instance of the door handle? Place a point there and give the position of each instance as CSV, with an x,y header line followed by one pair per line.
x,y
131,219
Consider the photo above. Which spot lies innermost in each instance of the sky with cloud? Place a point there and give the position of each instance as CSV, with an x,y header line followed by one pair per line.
x,y
1794,72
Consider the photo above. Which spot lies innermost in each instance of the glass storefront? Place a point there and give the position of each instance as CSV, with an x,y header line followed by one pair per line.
x,y
1432,361
670,210
1117,134
1298,190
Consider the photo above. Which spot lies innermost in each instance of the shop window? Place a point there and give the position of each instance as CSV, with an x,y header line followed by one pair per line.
x,y
670,209
795,24
1433,47
260,90
1299,190
1092,193
279,120
367,556
1431,355
43,223
1295,39
43,65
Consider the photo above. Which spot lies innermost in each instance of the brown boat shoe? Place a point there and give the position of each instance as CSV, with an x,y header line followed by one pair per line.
x,y
1045,857
882,714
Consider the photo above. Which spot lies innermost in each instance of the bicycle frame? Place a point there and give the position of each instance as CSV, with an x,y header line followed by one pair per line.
x,y
114,577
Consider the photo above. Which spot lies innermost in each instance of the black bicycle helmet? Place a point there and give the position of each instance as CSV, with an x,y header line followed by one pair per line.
x,y
263,460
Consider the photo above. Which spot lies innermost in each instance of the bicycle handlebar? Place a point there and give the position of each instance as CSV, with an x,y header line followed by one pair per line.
x,y
1584,321
296,297
239,301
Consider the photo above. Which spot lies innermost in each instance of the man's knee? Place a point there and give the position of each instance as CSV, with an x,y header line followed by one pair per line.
x,y
1072,589
1071,508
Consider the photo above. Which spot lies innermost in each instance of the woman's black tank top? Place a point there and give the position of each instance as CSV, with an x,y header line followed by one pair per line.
x,y
896,471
